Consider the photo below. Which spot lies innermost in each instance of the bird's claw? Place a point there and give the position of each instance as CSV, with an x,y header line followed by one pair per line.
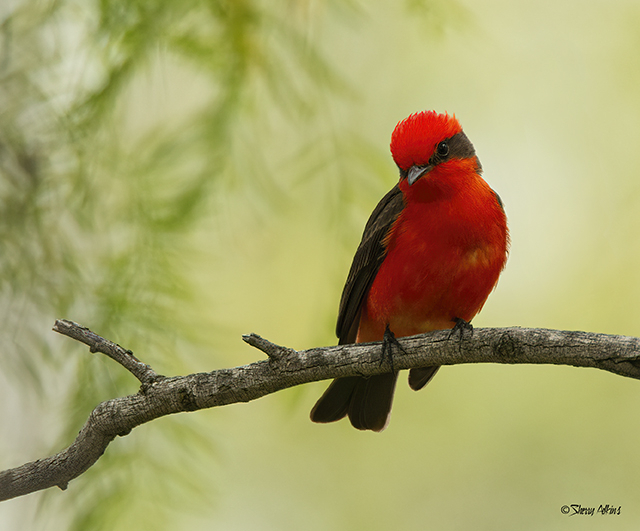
x,y
461,327
388,340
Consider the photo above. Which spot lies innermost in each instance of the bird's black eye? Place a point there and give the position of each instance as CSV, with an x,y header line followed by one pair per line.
x,y
442,149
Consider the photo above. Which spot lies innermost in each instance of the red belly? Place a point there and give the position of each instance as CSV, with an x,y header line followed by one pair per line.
x,y
430,277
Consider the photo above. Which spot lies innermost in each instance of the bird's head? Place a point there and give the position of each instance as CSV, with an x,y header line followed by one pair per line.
x,y
427,140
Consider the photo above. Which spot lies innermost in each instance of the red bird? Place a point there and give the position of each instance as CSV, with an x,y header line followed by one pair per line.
x,y
431,253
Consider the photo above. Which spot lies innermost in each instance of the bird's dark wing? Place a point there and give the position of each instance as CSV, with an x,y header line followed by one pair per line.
x,y
366,400
366,262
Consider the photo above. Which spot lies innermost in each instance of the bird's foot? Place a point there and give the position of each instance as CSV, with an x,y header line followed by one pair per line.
x,y
388,342
461,327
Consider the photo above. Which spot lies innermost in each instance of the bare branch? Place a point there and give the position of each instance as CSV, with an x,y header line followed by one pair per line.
x,y
159,396
142,372
270,349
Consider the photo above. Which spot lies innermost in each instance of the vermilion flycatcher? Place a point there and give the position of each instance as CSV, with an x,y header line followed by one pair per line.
x,y
431,253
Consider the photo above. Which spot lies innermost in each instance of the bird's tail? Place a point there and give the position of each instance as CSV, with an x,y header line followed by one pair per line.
x,y
367,401
418,378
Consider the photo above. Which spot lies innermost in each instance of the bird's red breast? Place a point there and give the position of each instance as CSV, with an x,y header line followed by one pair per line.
x,y
444,254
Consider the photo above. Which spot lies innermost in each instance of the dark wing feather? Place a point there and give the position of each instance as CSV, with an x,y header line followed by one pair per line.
x,y
367,401
366,262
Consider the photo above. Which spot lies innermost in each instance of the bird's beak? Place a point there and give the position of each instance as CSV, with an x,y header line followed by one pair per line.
x,y
415,172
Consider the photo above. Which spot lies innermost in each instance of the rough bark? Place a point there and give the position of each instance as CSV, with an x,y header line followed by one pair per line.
x,y
160,395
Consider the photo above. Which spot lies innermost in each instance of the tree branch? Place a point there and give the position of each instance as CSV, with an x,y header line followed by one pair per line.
x,y
142,372
159,396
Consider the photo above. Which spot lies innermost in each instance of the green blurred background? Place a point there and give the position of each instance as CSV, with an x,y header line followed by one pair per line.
x,y
174,174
